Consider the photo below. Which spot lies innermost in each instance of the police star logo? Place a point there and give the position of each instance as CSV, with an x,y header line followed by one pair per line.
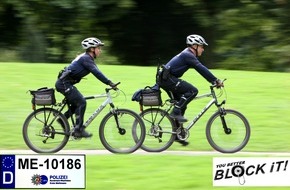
x,y
7,162
36,179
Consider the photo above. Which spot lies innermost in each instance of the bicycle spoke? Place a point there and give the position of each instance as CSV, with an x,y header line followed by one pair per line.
x,y
159,135
230,139
44,138
122,133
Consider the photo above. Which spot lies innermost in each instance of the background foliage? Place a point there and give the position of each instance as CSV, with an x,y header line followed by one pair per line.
x,y
244,34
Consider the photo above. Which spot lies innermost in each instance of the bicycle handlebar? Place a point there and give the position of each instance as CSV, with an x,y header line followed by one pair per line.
x,y
215,85
113,88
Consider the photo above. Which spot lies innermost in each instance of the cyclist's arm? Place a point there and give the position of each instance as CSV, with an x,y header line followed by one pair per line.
x,y
96,72
192,61
203,71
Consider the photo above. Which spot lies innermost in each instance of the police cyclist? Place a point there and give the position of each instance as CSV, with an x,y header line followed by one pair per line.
x,y
81,66
178,89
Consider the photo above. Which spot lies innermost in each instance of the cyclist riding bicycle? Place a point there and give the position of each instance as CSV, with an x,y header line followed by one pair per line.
x,y
169,78
81,66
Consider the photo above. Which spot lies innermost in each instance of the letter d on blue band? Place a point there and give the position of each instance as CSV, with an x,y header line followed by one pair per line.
x,y
7,171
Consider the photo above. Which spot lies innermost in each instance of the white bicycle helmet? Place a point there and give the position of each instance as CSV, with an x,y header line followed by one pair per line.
x,y
195,39
91,42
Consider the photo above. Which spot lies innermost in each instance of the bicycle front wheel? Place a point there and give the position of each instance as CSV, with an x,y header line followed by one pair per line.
x,y
118,130
159,130
45,130
228,132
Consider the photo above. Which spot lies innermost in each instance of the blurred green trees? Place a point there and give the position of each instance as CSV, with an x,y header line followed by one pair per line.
x,y
244,34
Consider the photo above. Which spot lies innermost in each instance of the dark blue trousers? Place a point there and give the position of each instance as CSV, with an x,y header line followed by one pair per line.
x,y
76,100
179,90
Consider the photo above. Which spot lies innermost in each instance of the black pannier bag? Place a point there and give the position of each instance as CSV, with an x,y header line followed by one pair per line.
x,y
150,97
43,96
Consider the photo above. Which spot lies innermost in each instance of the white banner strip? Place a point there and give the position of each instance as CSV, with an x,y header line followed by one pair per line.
x,y
251,171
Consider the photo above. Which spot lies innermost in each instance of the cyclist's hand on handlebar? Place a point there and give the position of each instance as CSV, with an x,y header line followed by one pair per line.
x,y
219,83
113,85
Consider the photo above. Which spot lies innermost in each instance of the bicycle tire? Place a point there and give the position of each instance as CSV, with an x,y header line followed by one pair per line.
x,y
156,119
41,133
239,134
111,137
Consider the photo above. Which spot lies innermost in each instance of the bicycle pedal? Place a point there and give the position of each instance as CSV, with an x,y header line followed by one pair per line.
x,y
182,142
73,136
76,138
82,134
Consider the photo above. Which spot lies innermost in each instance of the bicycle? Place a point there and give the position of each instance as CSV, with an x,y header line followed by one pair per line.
x,y
47,130
227,130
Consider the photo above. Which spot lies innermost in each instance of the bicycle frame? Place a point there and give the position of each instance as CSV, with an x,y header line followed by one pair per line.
x,y
205,109
107,101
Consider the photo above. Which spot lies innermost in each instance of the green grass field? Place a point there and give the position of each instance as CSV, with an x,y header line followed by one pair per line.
x,y
263,97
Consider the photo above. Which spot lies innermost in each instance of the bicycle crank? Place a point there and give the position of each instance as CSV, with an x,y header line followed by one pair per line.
x,y
182,134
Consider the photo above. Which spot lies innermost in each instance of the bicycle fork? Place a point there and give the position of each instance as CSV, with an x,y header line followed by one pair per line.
x,y
222,116
122,131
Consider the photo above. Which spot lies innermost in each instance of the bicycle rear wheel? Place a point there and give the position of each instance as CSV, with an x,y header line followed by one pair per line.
x,y
232,139
118,129
45,130
159,130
